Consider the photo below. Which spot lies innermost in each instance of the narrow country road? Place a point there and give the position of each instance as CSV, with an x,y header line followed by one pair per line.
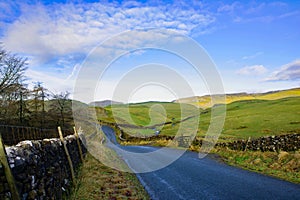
x,y
192,178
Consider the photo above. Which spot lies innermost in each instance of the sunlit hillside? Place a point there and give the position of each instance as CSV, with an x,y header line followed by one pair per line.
x,y
205,101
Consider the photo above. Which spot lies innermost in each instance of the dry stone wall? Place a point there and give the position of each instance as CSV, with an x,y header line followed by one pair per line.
x,y
289,142
40,168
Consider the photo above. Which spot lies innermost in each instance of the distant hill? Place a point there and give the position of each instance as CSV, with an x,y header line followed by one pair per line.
x,y
245,118
104,103
205,101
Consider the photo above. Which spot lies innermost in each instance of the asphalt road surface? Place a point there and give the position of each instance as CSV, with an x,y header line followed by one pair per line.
x,y
192,178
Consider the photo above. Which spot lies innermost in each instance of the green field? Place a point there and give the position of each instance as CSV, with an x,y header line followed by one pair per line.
x,y
247,118
143,119
151,113
256,118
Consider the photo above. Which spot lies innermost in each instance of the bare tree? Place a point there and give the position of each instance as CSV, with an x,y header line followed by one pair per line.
x,y
62,105
21,106
12,70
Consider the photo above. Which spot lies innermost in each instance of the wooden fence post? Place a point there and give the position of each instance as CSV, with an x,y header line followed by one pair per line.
x,y
40,134
8,174
18,136
13,136
27,134
78,143
34,133
247,143
68,155
22,134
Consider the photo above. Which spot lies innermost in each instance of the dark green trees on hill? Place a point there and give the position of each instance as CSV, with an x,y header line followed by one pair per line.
x,y
36,107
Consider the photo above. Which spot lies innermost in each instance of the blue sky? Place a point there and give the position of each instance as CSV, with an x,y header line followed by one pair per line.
x,y
254,44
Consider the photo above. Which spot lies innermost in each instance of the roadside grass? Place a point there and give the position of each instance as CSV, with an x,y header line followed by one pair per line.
x,y
97,181
282,165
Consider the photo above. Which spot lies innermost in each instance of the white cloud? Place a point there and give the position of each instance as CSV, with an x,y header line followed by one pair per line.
x,y
288,72
8,9
252,70
230,8
253,11
62,29
252,56
51,82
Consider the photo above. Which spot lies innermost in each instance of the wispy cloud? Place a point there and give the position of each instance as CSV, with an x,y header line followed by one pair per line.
x,y
9,11
53,83
229,8
252,56
257,11
288,72
62,29
252,70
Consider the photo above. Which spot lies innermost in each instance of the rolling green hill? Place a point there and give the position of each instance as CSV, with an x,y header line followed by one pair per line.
x,y
205,101
246,118
146,118
251,118
255,118
150,113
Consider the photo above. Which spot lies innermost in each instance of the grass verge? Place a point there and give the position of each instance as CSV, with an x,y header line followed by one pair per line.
x,y
97,181
283,165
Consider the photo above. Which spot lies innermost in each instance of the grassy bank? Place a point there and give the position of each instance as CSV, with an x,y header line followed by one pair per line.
x,y
283,165
97,181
